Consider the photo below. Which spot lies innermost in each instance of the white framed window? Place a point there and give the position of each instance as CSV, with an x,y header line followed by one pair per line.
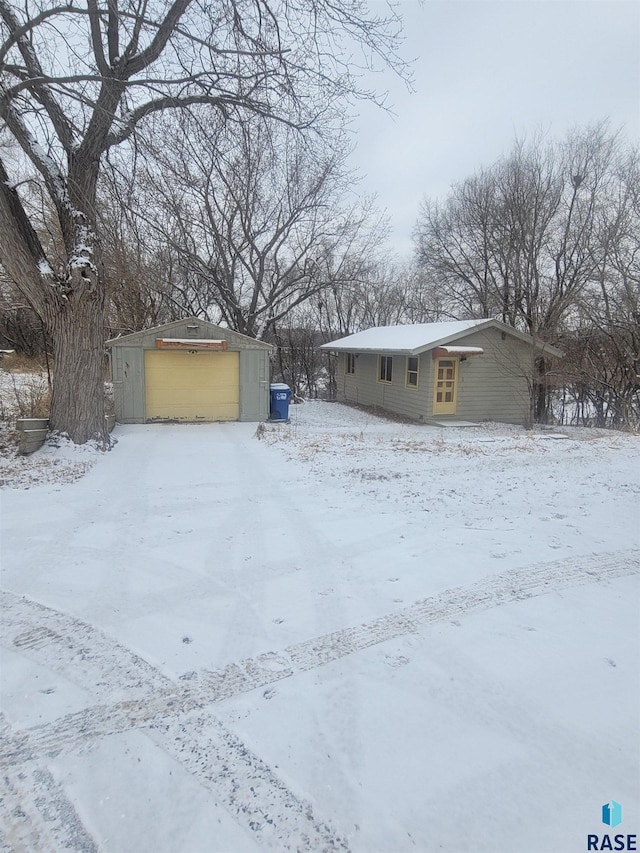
x,y
385,368
411,378
349,363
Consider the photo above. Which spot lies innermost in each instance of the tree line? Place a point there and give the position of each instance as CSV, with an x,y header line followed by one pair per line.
x,y
193,160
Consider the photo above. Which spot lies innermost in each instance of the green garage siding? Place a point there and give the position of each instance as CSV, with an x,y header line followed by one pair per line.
x,y
127,357
127,371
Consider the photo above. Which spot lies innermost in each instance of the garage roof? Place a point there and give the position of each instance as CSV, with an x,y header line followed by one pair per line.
x,y
194,325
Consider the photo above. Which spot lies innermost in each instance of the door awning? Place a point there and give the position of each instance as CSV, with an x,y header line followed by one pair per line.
x,y
439,352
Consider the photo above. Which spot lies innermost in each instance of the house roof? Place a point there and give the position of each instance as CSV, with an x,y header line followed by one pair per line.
x,y
420,337
203,326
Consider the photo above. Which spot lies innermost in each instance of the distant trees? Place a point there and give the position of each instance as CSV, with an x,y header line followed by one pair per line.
x,y
547,240
77,82
601,370
134,273
258,220
518,239
370,290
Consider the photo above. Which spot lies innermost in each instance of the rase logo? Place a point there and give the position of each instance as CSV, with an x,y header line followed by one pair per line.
x,y
611,816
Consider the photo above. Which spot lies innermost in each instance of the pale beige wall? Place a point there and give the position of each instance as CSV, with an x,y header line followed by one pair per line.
x,y
494,386
364,387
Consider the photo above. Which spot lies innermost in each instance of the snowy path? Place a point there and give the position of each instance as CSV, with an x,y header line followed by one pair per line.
x,y
34,809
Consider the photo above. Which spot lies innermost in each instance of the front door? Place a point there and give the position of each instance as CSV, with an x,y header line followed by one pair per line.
x,y
446,386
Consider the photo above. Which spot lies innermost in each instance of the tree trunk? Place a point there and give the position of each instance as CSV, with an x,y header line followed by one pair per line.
x,y
76,326
541,392
70,307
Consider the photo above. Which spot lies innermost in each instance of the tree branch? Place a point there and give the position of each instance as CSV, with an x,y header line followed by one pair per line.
x,y
150,54
48,168
113,36
34,22
167,103
96,38
62,126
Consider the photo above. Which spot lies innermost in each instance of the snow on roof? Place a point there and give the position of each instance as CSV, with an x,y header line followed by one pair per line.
x,y
454,350
222,332
405,339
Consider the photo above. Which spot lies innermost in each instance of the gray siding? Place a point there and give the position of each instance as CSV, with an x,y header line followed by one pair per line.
x,y
493,386
189,328
364,387
127,373
254,385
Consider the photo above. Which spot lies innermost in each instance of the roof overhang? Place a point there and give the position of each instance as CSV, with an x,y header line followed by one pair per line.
x,y
190,343
439,352
548,349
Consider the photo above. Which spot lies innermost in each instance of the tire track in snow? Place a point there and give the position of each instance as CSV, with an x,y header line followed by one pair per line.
x,y
34,811
247,787
36,814
238,778
196,690
206,749
508,587
99,721
81,653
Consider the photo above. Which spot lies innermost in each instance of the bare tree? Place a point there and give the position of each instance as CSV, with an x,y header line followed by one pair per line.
x,y
134,270
515,240
521,240
376,291
259,220
601,372
77,80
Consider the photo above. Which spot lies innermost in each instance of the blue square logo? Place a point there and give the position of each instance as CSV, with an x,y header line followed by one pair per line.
x,y
612,814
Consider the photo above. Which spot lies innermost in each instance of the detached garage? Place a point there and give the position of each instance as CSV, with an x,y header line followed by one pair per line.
x,y
189,370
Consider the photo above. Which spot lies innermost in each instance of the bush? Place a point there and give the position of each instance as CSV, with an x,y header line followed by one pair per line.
x,y
25,395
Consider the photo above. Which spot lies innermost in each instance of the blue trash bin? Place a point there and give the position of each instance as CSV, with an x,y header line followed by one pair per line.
x,y
280,396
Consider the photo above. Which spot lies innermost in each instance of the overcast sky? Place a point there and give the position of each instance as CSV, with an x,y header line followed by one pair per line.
x,y
484,72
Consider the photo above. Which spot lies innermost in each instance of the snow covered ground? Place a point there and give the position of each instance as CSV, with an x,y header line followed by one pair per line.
x,y
345,634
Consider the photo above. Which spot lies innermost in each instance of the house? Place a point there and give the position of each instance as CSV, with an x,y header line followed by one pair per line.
x,y
190,370
471,370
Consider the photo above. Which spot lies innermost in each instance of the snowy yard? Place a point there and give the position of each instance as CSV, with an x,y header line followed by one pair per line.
x,y
345,634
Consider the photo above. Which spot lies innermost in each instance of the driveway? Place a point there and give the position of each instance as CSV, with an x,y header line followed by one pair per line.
x,y
217,643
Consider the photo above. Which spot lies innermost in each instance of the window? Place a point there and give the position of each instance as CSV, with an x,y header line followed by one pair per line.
x,y
385,368
349,363
412,372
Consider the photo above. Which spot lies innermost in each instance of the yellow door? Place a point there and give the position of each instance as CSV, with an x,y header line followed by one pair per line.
x,y
446,386
192,386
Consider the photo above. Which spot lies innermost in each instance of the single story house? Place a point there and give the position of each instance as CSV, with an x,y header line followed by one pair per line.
x,y
468,370
190,370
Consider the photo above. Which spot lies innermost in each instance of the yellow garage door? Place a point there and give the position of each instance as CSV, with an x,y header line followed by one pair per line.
x,y
192,386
